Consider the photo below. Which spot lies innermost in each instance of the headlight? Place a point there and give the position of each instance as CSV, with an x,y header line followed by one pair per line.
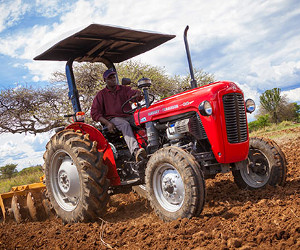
x,y
250,105
205,108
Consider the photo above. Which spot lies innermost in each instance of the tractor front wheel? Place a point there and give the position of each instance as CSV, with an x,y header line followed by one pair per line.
x,y
175,184
265,165
75,177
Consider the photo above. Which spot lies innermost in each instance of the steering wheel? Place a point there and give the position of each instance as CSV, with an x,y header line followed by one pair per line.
x,y
139,106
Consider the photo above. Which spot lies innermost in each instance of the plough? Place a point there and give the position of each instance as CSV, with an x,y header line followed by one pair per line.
x,y
26,202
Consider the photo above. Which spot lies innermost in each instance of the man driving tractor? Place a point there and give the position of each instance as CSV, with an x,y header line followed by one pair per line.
x,y
107,109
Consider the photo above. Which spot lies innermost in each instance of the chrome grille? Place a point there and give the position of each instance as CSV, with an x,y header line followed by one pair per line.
x,y
235,117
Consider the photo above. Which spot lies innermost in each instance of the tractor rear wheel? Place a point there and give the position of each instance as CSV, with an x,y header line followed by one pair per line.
x,y
265,165
75,177
175,184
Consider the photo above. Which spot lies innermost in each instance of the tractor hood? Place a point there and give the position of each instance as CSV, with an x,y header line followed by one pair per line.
x,y
102,43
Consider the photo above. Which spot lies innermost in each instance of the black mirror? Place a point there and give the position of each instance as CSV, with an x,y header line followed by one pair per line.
x,y
126,81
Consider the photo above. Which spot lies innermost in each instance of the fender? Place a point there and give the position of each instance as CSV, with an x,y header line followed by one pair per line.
x,y
102,146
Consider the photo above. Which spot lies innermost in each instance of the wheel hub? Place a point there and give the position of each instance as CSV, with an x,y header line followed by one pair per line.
x,y
256,173
64,182
68,179
172,187
259,167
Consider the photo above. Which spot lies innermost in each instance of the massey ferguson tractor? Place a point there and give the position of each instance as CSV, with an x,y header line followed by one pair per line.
x,y
189,137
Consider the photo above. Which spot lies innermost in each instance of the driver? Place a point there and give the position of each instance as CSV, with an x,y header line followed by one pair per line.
x,y
107,109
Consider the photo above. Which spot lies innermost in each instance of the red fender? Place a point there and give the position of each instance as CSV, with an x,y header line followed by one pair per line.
x,y
102,146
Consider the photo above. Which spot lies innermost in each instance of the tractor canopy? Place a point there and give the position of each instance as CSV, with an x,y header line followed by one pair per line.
x,y
102,43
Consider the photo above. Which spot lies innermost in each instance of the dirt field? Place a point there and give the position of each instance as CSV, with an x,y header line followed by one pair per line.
x,y
232,218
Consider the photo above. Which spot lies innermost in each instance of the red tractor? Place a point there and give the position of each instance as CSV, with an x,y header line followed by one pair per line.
x,y
189,137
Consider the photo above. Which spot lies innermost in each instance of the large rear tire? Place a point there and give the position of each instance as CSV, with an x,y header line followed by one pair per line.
x,y
265,165
75,177
175,184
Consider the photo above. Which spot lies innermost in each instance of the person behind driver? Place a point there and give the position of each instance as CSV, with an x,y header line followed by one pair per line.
x,y
106,108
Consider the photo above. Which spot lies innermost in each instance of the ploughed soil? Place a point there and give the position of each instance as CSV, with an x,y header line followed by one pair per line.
x,y
232,218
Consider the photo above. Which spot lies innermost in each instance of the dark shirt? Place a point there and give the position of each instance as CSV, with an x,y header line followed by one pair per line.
x,y
108,103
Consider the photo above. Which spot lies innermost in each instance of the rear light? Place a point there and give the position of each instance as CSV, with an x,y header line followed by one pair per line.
x,y
80,116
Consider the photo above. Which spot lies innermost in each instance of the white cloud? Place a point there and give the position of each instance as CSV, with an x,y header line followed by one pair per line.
x,y
42,71
292,95
242,34
51,8
11,12
24,150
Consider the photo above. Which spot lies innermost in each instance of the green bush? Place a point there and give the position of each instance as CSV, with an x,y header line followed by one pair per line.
x,y
261,122
8,171
33,169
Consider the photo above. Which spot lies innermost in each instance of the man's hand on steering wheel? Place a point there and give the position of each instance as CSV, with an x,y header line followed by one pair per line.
x,y
137,99
138,96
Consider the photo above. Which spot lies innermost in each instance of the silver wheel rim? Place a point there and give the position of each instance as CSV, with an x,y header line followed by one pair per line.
x,y
64,179
168,187
257,172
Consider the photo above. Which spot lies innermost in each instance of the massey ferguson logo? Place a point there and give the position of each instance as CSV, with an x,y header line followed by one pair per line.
x,y
170,108
153,112
187,103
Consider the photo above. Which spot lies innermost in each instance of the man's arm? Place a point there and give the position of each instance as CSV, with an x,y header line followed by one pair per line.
x,y
110,126
97,112
134,93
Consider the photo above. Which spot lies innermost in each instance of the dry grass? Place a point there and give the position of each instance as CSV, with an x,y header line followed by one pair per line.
x,y
284,130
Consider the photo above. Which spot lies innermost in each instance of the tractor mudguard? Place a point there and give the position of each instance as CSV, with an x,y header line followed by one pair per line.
x,y
103,146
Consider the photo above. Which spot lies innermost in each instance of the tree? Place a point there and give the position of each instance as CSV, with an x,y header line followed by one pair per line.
x,y
37,110
297,110
8,170
32,110
289,112
261,122
271,101
89,78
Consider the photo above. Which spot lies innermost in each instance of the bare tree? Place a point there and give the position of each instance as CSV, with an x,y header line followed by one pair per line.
x,y
30,110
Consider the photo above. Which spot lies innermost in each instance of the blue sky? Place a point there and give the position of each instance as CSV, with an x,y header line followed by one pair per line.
x,y
253,43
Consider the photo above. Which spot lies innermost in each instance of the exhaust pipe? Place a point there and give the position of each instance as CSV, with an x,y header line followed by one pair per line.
x,y
193,81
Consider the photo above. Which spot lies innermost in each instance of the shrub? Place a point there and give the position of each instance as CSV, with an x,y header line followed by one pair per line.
x,y
261,122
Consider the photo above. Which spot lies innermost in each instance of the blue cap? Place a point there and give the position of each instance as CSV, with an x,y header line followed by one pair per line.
x,y
107,73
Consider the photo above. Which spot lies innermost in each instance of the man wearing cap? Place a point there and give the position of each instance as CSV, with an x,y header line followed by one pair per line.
x,y
106,108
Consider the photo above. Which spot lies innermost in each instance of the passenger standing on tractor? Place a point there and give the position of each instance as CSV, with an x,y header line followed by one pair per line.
x,y
107,109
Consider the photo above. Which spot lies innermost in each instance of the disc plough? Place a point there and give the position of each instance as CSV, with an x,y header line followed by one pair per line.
x,y
25,203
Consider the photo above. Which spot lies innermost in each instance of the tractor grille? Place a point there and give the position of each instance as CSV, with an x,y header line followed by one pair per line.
x,y
235,118
196,127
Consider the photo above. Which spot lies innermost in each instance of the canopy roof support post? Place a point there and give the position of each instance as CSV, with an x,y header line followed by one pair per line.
x,y
73,92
